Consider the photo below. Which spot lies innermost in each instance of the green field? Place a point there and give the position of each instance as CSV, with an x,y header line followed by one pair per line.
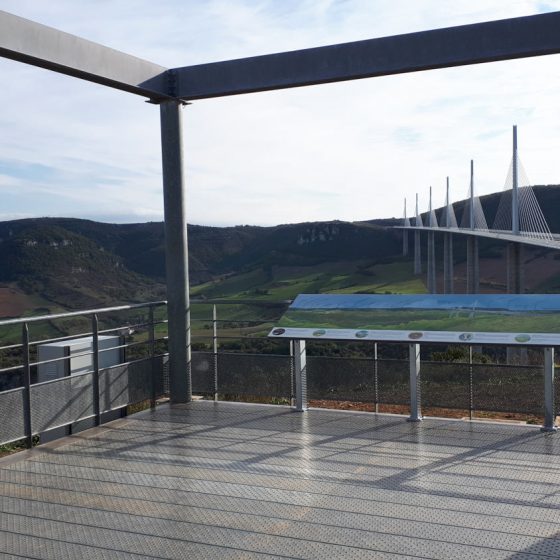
x,y
422,320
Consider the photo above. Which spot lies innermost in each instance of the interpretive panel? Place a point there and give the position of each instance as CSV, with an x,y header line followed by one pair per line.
x,y
467,319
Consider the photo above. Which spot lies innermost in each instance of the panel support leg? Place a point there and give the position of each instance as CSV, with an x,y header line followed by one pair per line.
x,y
414,359
549,412
300,370
176,252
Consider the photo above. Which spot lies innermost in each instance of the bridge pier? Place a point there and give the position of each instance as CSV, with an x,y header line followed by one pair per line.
x,y
432,288
405,243
473,266
448,263
417,254
515,276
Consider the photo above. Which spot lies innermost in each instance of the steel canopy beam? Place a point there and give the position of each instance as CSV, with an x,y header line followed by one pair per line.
x,y
33,43
453,46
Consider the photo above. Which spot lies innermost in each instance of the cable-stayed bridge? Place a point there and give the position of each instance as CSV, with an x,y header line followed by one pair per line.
x,y
519,221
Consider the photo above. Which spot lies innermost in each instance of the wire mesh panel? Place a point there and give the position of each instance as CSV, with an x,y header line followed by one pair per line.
x,y
445,385
113,387
202,372
60,402
254,374
393,378
140,379
11,415
341,379
508,388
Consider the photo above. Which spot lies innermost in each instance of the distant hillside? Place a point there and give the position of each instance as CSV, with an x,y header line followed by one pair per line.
x,y
79,263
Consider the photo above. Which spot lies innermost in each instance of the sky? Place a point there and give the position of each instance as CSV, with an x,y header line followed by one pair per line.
x,y
346,151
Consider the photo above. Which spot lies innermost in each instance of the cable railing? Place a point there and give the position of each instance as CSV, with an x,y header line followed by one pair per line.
x,y
232,359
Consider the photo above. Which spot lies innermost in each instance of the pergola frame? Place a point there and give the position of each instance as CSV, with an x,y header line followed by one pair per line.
x,y
32,43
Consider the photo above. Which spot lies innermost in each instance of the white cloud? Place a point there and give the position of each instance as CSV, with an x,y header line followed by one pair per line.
x,y
341,151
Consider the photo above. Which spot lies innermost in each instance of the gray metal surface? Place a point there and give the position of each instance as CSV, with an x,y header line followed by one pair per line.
x,y
60,402
12,425
227,480
176,252
33,43
26,41
426,50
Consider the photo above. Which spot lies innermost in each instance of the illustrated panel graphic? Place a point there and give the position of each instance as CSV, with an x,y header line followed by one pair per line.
x,y
468,319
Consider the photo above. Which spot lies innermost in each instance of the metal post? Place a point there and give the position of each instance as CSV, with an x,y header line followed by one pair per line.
x,y
152,350
515,189
215,349
471,395
176,252
27,385
300,367
292,375
95,357
549,412
376,377
432,288
414,361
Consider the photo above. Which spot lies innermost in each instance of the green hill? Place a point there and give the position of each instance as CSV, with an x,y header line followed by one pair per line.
x,y
71,263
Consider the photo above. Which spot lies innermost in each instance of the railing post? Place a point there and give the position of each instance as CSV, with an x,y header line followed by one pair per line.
x,y
549,412
95,344
375,377
292,375
300,367
471,394
215,349
152,344
27,384
414,360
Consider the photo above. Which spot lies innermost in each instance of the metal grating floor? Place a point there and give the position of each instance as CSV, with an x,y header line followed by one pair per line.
x,y
232,480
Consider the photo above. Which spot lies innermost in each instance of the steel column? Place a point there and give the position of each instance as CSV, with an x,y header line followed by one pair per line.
x,y
176,253
549,412
448,263
414,361
300,367
473,266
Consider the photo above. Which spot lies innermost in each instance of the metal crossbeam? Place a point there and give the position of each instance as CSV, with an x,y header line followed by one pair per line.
x,y
43,46
440,48
33,43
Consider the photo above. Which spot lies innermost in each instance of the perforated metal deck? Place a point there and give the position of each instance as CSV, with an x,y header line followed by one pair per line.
x,y
227,481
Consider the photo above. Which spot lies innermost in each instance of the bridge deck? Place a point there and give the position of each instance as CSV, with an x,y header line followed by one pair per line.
x,y
229,480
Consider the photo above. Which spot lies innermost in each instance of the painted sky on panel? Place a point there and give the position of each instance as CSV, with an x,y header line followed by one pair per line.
x,y
348,151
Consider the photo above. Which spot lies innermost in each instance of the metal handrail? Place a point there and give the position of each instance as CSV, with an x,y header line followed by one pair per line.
x,y
21,321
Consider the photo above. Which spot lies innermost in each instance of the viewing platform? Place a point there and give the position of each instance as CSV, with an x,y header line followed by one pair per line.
x,y
230,480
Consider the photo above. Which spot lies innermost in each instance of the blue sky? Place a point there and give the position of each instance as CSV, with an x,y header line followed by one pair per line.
x,y
348,151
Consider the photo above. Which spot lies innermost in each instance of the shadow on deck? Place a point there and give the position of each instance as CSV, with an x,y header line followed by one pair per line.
x,y
231,480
